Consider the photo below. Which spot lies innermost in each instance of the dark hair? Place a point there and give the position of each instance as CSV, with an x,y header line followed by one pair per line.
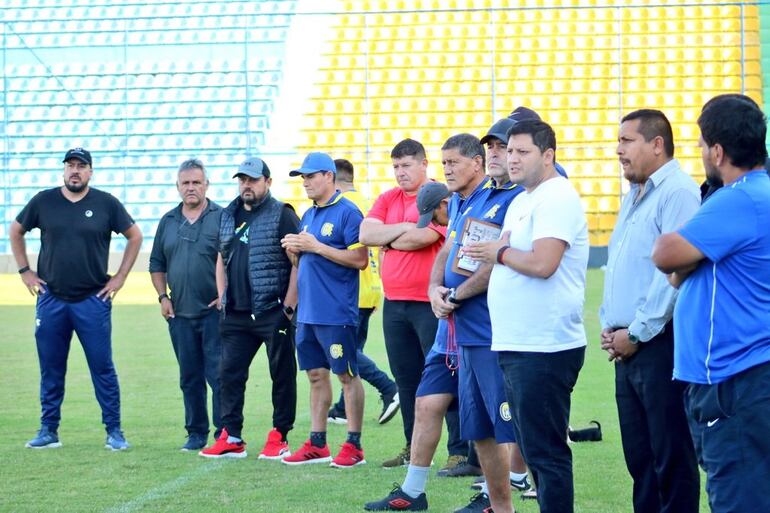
x,y
542,134
736,96
739,127
344,170
408,148
468,145
653,123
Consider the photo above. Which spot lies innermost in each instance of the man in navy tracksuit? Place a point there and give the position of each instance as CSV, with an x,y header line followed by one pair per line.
x,y
74,291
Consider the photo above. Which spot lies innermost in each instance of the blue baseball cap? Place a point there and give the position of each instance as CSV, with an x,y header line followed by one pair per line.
x,y
315,162
253,167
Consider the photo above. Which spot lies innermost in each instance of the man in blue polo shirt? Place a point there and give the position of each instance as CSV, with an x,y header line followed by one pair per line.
x,y
720,260
328,257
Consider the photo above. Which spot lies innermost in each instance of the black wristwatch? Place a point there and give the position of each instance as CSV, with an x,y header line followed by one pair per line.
x,y
632,338
24,269
162,297
288,310
452,297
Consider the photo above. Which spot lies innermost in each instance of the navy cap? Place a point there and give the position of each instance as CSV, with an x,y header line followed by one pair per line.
x,y
253,167
314,163
78,154
499,130
522,113
428,199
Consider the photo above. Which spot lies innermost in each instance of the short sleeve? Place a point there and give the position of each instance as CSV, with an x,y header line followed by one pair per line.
x,y
715,238
379,210
558,216
157,257
28,218
352,225
289,222
120,220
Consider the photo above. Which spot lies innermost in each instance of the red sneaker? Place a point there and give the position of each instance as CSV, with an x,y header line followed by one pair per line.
x,y
348,456
275,448
308,454
223,449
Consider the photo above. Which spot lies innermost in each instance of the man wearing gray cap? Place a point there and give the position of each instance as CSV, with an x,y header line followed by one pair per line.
x,y
257,287
183,262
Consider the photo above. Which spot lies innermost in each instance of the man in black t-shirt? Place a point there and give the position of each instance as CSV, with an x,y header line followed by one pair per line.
x,y
74,291
257,287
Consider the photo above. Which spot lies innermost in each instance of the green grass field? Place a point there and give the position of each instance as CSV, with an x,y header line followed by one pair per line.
x,y
154,476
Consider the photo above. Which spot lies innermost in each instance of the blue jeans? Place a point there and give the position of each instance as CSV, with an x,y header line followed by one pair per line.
x,y
199,352
367,369
730,423
55,322
539,387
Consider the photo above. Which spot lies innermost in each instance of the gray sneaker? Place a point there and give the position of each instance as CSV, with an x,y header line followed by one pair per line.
x,y
45,439
116,441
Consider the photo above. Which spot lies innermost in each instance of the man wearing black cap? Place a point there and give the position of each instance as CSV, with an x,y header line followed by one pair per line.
x,y
258,291
74,291
183,261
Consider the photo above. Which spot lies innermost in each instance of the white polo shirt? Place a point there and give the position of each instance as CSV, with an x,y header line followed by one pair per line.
x,y
535,314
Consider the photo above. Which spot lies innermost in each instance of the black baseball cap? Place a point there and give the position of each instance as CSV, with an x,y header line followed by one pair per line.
x,y
78,154
428,199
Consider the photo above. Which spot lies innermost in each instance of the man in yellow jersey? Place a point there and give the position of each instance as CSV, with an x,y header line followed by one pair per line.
x,y
369,298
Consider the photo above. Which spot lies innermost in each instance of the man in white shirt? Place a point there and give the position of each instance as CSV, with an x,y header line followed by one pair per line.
x,y
535,298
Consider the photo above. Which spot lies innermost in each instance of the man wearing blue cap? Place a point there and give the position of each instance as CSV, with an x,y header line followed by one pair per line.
x,y
329,257
257,288
74,291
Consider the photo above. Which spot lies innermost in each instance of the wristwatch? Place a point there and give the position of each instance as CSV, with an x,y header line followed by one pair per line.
x,y
288,310
162,297
632,338
452,297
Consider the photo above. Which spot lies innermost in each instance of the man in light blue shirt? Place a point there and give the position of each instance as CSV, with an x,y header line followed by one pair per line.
x,y
721,261
636,317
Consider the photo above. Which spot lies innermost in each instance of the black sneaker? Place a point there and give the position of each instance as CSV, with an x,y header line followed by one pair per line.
x,y
195,442
336,416
397,500
390,406
458,466
479,504
521,485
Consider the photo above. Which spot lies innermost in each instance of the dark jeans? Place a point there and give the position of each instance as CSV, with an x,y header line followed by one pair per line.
x,y
367,369
730,426
658,450
410,330
199,353
91,319
241,338
538,387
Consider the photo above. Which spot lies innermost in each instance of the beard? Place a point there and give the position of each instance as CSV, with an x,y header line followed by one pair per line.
x,y
76,187
712,175
249,199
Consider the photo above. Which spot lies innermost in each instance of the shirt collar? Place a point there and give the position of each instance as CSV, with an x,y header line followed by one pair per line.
x,y
663,172
334,199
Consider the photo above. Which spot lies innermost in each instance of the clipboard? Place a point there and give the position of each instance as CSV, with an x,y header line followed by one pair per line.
x,y
474,230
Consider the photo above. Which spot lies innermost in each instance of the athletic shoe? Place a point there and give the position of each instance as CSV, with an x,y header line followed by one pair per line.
x,y
45,439
521,485
224,449
309,454
464,470
400,460
390,406
529,494
453,467
116,441
349,456
275,448
479,504
397,500
195,442
336,416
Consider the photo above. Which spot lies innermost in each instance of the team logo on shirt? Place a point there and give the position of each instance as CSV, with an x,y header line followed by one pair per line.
x,y
89,213
336,351
327,229
492,212
505,411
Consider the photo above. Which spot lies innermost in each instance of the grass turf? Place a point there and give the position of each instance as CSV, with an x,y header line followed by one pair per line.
x,y
154,476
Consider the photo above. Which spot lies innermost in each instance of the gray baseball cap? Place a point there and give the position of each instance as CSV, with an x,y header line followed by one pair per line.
x,y
428,199
253,167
